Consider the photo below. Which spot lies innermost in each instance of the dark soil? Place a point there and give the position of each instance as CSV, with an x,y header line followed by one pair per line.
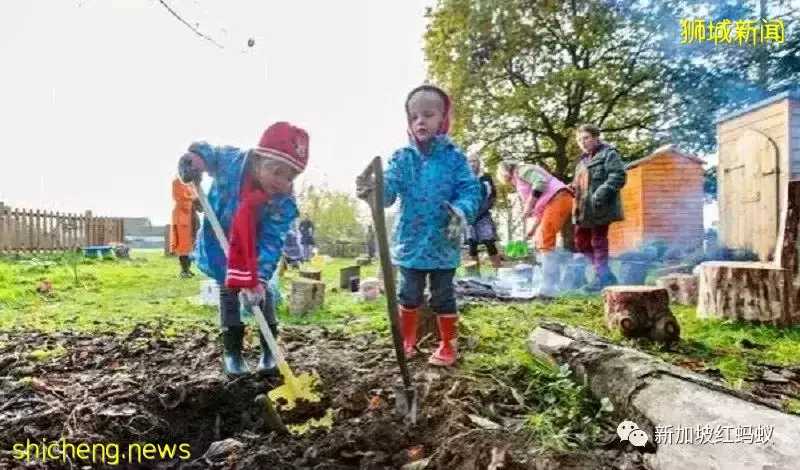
x,y
146,388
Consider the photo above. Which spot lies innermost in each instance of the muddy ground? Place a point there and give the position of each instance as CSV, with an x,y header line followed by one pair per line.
x,y
146,388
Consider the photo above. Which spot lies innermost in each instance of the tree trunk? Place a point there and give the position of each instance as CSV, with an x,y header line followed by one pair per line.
x,y
682,288
747,290
661,397
306,296
786,255
640,311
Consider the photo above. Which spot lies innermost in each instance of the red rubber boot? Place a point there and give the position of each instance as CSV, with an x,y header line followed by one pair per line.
x,y
447,354
408,326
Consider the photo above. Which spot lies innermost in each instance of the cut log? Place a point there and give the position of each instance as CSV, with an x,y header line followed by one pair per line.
x,y
682,288
311,273
306,296
640,312
345,274
659,396
751,291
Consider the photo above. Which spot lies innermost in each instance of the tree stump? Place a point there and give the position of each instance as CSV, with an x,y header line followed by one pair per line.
x,y
682,288
345,274
640,312
472,269
747,290
311,273
306,296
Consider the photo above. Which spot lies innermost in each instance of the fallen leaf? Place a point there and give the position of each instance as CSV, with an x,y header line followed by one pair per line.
x,y
416,453
691,364
375,402
483,422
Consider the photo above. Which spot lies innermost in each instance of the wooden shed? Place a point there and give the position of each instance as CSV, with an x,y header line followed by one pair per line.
x,y
662,200
759,153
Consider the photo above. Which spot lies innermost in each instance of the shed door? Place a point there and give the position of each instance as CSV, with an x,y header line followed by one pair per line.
x,y
751,192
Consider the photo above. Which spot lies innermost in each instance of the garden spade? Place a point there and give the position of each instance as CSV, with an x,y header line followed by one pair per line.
x,y
295,387
407,397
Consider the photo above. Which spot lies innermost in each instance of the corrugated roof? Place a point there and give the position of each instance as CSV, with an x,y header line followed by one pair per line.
x,y
791,94
667,150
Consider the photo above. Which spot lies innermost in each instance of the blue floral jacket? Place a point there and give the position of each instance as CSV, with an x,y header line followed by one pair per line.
x,y
423,183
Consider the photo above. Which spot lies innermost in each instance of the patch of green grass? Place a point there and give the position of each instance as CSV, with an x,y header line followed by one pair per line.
x,y
719,345
116,295
45,354
792,405
109,294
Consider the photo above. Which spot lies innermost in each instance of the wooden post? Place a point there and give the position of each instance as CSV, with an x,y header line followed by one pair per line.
x,y
346,273
89,226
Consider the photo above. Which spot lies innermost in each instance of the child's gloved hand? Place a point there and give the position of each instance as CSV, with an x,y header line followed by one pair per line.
x,y
190,168
252,297
365,185
455,226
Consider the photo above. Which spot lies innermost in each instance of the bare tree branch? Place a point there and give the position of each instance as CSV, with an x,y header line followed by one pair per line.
x,y
207,38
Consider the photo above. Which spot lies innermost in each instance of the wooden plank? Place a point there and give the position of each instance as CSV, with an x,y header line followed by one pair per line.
x,y
755,118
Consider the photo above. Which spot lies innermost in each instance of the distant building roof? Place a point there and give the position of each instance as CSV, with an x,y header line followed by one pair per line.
x,y
666,150
791,94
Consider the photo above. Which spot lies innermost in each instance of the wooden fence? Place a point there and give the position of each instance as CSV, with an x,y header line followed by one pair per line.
x,y
30,230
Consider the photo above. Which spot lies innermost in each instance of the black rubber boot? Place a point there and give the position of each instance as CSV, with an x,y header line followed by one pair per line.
x,y
267,364
233,363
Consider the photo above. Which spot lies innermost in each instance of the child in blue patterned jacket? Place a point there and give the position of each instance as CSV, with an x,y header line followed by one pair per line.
x,y
439,196
251,196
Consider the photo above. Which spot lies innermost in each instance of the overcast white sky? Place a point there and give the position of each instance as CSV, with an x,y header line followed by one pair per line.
x,y
99,98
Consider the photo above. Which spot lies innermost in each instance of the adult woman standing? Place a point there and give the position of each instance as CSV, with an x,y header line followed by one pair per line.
x,y
483,231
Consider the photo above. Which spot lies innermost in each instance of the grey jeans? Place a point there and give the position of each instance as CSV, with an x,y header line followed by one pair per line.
x,y
229,307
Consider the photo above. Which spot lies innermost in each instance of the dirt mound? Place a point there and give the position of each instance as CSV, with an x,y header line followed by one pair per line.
x,y
145,387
